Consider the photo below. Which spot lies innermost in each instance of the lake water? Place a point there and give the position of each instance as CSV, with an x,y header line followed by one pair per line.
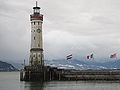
x,y
10,81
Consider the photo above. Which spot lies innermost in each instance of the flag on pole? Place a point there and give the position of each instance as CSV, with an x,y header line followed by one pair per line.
x,y
90,57
113,55
69,56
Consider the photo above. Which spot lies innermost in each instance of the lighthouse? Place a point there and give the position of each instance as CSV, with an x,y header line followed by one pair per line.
x,y
36,51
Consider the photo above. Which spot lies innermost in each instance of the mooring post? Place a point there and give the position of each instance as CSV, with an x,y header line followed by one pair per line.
x,y
53,75
21,75
29,75
44,76
50,75
59,76
76,76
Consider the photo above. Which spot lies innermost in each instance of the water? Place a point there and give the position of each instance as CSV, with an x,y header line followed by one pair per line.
x,y
10,81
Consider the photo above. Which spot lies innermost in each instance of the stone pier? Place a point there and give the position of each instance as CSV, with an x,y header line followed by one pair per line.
x,y
47,73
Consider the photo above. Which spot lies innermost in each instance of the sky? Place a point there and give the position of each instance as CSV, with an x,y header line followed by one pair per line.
x,y
78,27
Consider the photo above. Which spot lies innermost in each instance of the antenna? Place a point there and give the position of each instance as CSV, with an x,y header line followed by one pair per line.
x,y
36,3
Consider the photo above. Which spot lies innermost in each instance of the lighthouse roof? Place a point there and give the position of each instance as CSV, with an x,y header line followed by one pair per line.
x,y
36,7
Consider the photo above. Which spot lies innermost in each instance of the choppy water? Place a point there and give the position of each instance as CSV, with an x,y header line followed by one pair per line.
x,y
10,81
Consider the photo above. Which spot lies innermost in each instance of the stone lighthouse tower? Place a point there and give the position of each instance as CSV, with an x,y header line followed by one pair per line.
x,y
36,51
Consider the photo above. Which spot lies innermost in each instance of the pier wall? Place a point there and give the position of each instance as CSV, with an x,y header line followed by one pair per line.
x,y
47,73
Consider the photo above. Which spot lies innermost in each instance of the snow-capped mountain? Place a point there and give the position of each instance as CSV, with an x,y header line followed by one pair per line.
x,y
77,64
6,67
82,65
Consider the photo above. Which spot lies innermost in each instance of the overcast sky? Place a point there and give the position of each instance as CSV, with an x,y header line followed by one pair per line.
x,y
80,27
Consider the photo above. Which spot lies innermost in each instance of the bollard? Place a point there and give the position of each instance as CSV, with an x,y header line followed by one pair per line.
x,y
21,75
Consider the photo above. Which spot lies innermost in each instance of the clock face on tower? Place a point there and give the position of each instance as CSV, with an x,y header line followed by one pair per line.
x,y
38,30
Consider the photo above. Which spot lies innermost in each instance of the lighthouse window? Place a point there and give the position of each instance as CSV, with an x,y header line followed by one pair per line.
x,y
38,45
34,38
34,23
38,23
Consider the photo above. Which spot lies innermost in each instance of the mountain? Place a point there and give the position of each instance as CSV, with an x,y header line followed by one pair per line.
x,y
19,66
83,65
76,64
112,64
4,66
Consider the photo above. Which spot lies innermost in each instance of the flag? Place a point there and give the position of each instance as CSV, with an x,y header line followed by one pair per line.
x,y
69,56
89,57
113,55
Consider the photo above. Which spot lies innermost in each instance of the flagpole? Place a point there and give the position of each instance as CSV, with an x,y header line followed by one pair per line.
x,y
114,56
24,63
92,56
93,63
116,62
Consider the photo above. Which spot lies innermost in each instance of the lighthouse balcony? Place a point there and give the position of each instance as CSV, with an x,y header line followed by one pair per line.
x,y
36,17
36,49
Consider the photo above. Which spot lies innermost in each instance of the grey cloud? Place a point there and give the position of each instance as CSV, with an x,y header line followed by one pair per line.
x,y
70,26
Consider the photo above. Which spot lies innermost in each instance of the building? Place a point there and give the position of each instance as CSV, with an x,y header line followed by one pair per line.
x,y
36,51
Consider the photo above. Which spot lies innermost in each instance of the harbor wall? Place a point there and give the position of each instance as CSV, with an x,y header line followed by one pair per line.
x,y
47,73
